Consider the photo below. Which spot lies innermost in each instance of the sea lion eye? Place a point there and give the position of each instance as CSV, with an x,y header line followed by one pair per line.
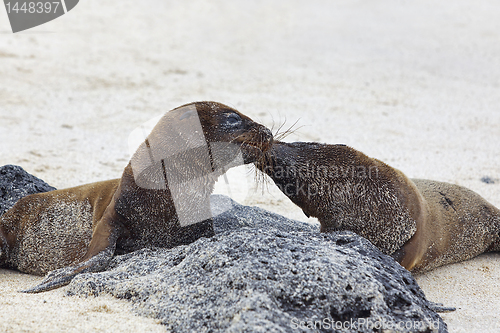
x,y
233,119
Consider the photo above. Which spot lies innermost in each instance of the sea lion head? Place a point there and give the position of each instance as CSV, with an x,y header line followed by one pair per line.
x,y
224,126
198,140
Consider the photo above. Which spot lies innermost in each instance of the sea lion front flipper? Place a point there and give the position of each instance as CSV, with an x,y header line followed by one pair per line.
x,y
100,251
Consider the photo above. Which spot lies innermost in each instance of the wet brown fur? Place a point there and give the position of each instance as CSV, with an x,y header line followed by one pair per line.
x,y
78,229
423,224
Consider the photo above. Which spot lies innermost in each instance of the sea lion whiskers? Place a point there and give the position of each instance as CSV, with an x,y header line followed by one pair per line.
x,y
267,159
279,136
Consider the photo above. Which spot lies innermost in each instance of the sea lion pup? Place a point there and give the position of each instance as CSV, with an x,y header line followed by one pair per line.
x,y
423,224
162,198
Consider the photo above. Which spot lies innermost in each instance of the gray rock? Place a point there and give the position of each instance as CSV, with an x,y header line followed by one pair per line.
x,y
265,273
16,183
229,215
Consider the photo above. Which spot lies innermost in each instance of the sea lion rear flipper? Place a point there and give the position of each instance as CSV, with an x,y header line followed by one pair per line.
x,y
100,251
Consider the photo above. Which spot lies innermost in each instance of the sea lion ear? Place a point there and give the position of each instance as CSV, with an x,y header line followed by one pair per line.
x,y
188,114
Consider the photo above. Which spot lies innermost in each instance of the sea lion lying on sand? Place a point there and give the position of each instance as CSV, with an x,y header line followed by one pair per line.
x,y
423,224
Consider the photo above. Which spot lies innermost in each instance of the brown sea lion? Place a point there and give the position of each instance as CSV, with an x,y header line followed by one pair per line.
x,y
162,198
423,224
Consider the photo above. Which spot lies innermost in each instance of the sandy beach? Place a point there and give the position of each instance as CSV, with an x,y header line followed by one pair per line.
x,y
414,84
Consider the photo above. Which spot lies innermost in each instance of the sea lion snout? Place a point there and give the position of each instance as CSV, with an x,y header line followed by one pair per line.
x,y
255,143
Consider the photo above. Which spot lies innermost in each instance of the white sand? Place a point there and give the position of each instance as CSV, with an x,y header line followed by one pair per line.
x,y
415,84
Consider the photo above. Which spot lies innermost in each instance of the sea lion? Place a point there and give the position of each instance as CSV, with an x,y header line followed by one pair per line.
x,y
162,198
423,224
